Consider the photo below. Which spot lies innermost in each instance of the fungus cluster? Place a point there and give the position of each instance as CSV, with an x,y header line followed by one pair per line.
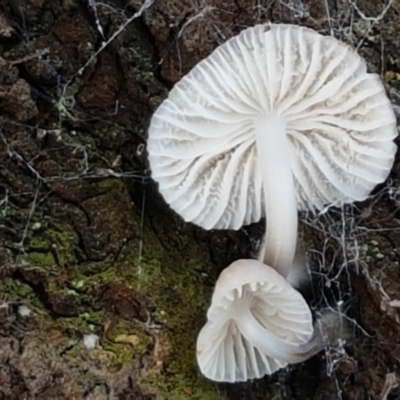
x,y
277,119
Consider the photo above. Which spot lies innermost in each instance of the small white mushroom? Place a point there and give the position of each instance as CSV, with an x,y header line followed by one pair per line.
x,y
276,119
24,311
257,323
90,341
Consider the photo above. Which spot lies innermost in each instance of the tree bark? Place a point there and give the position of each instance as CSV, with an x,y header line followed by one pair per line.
x,y
103,288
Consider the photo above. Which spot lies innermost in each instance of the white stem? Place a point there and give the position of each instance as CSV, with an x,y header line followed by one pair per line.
x,y
272,345
280,196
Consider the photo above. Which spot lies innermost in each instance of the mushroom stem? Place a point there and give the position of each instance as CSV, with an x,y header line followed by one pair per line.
x,y
272,345
279,193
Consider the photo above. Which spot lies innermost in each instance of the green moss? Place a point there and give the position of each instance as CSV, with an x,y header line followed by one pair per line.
x,y
174,287
52,243
16,291
169,280
41,259
127,340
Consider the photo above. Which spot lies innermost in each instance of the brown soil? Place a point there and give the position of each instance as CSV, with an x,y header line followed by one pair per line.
x,y
88,245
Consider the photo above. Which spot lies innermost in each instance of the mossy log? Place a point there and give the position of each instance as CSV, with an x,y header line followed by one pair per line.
x,y
103,288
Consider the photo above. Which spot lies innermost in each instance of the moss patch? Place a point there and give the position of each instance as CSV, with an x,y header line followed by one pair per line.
x,y
141,275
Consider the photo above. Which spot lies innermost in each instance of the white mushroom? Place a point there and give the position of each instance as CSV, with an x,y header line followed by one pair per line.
x,y
278,109
257,323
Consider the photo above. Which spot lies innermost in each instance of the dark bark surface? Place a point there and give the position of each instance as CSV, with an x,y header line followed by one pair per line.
x,y
88,247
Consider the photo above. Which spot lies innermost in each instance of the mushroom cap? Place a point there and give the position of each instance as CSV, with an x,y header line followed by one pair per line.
x,y
224,353
339,124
